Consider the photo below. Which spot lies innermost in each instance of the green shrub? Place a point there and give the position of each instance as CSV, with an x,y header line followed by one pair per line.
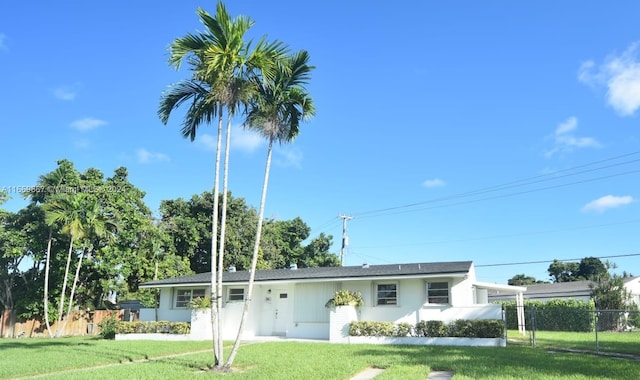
x,y
345,298
200,303
553,315
108,326
371,328
487,328
431,329
163,327
461,328
480,328
403,329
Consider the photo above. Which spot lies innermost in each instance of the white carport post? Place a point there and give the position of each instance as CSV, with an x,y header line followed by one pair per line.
x,y
520,312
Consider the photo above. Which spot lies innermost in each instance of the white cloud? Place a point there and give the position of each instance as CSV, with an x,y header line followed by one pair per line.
x,y
65,92
207,141
621,75
145,157
241,139
245,139
607,202
435,182
565,141
87,124
288,157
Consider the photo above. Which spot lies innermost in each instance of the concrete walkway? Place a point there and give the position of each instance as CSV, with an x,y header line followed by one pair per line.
x,y
371,373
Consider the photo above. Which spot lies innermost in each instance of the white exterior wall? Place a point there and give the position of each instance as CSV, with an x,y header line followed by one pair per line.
x,y
302,313
633,287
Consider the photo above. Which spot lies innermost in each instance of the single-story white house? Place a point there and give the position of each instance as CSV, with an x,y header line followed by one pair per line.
x,y
578,290
291,302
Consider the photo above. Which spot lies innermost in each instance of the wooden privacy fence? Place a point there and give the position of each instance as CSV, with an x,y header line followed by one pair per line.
x,y
80,323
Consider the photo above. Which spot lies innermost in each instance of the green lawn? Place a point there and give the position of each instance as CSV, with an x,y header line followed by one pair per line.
x,y
90,358
608,342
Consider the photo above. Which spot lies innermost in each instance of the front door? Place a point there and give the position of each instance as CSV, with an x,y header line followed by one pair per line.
x,y
280,312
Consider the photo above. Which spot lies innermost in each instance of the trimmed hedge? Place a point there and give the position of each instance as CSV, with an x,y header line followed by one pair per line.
x,y
152,327
553,315
479,328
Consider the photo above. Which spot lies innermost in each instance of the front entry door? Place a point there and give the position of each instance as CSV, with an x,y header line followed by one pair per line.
x,y
280,312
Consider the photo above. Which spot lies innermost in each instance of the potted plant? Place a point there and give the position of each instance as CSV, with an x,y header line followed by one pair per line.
x,y
345,298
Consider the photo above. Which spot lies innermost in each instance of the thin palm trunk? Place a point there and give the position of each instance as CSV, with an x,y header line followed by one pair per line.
x,y
64,289
217,360
73,290
254,259
46,284
223,228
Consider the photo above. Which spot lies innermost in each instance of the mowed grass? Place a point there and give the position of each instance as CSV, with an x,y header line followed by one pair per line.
x,y
90,358
608,342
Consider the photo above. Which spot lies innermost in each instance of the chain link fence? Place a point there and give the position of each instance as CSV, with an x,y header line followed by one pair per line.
x,y
615,332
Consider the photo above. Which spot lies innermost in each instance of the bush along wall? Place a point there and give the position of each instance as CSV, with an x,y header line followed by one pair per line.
x,y
162,327
553,315
479,328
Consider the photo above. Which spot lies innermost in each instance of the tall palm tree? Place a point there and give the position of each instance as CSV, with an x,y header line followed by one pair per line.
x,y
64,173
281,103
67,209
221,61
97,225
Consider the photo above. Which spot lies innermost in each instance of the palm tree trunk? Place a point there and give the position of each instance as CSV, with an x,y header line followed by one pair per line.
x,y
223,229
73,290
64,289
46,284
254,259
217,360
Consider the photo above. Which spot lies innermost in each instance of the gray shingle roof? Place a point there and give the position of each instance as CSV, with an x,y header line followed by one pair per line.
x,y
554,290
391,270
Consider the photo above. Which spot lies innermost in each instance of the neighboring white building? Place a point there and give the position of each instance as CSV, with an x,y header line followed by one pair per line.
x,y
291,302
578,290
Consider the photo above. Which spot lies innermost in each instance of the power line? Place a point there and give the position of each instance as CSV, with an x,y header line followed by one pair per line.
x,y
500,196
512,184
531,233
550,261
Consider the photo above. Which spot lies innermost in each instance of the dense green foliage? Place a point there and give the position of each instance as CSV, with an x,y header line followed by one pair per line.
x,y
589,268
553,315
118,244
109,359
345,297
151,327
460,328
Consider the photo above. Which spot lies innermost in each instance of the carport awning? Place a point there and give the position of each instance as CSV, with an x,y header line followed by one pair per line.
x,y
517,291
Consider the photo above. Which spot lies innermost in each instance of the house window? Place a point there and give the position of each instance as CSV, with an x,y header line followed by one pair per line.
x,y
184,296
438,292
386,294
235,294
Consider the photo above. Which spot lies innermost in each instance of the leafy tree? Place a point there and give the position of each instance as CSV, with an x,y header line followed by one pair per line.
x,y
522,279
221,60
591,268
316,253
276,112
609,293
560,271
80,216
64,178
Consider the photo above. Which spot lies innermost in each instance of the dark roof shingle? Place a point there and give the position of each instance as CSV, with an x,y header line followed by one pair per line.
x,y
389,270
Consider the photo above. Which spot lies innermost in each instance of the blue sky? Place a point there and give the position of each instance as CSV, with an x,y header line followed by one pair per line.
x,y
498,132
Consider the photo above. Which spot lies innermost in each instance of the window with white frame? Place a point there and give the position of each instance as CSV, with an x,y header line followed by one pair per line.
x,y
438,292
386,294
184,296
235,294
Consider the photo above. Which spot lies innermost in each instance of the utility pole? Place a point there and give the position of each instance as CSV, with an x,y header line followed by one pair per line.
x,y
345,238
